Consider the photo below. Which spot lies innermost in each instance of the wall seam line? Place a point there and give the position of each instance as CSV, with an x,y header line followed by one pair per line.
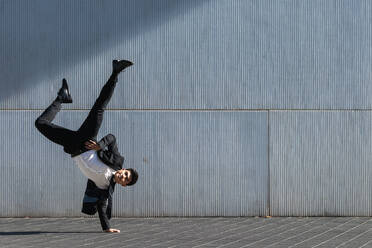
x,y
202,110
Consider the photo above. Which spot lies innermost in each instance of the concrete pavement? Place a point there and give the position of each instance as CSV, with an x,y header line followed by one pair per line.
x,y
188,232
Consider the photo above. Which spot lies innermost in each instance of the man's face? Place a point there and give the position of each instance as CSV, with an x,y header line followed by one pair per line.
x,y
123,177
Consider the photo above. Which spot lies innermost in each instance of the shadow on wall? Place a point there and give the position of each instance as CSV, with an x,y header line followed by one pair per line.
x,y
41,38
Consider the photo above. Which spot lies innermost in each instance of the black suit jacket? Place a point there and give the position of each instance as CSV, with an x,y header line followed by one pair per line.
x,y
96,199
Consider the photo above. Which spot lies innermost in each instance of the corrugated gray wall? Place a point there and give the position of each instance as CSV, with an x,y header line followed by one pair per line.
x,y
233,108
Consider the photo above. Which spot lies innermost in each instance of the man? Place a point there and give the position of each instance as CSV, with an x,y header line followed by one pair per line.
x,y
100,161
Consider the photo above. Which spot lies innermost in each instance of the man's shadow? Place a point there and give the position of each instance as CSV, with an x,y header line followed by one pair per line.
x,y
42,232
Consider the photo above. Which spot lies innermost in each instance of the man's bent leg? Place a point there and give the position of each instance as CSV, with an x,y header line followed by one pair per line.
x,y
54,133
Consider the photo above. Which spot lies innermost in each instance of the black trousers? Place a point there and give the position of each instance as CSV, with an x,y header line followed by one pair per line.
x,y
73,141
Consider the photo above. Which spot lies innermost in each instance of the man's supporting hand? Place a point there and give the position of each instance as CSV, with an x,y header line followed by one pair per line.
x,y
92,145
112,230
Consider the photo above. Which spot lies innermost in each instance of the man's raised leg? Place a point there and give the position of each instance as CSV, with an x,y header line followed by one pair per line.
x,y
89,129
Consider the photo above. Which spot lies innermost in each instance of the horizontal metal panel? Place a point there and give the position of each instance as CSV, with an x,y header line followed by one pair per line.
x,y
189,54
320,163
189,164
36,178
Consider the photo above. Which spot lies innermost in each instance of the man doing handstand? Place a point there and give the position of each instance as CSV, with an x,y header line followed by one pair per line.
x,y
100,161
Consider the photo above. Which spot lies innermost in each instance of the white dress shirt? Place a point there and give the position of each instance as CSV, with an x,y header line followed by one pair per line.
x,y
92,167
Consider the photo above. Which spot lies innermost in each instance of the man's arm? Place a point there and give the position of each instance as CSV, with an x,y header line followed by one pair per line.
x,y
102,208
108,141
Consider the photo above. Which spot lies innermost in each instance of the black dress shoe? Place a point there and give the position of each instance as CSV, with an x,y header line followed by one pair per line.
x,y
119,65
64,93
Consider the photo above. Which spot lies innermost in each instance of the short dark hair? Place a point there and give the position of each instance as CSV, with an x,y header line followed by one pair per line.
x,y
134,176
